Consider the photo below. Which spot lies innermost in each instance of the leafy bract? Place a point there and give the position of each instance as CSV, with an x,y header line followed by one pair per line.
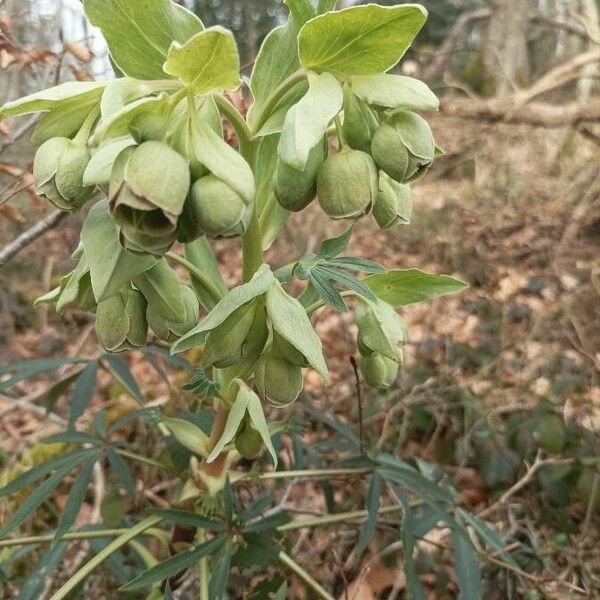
x,y
362,40
111,267
46,100
394,91
307,121
207,62
407,286
261,281
139,34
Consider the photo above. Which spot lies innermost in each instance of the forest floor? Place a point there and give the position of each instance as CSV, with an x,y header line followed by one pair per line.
x,y
515,213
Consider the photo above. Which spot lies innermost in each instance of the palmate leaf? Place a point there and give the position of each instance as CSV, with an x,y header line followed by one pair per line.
x,y
202,384
175,564
27,369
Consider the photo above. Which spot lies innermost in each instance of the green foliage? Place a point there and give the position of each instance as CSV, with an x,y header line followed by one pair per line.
x,y
327,118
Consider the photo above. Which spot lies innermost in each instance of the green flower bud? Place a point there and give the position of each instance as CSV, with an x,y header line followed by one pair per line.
x,y
170,330
216,210
347,184
380,329
248,442
360,123
403,147
121,321
277,380
282,348
378,370
295,189
58,170
224,344
148,188
150,125
393,205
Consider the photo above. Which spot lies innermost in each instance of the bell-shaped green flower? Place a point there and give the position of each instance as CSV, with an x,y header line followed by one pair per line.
x,y
58,170
248,441
215,209
393,205
347,184
170,330
121,321
148,188
295,189
277,380
360,123
378,370
403,146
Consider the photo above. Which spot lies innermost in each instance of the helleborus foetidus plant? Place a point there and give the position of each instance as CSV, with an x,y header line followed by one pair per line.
x,y
327,121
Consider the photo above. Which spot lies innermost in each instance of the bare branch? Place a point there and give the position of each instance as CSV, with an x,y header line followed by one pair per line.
x,y
30,236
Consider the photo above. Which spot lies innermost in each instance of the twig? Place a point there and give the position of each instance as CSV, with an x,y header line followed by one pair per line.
x,y
538,464
30,236
289,562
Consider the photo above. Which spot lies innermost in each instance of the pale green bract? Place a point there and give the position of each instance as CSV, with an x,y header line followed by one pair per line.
x,y
362,40
139,34
207,62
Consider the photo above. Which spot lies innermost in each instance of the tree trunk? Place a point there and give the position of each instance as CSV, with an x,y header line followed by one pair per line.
x,y
505,54
591,71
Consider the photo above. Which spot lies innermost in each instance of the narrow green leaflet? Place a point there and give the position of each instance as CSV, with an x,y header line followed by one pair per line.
x,y
32,475
362,40
394,91
76,496
291,322
407,286
222,160
111,267
307,121
261,281
174,565
34,500
100,166
466,568
207,62
121,470
120,371
220,574
48,99
188,434
43,573
367,529
184,517
82,392
139,34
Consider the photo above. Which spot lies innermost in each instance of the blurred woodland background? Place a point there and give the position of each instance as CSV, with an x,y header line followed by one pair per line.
x,y
501,383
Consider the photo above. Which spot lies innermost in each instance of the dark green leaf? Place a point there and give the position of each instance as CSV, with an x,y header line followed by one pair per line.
x,y
76,496
332,423
228,501
120,371
184,517
334,246
348,281
100,423
327,291
258,552
150,414
58,389
367,529
168,593
119,466
220,574
256,508
356,264
468,574
268,524
174,565
39,471
35,499
43,573
82,392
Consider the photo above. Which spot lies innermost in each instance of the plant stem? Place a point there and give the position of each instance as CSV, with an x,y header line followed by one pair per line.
x,y
337,518
340,132
272,101
252,248
196,273
203,574
289,562
231,113
99,558
306,473
140,458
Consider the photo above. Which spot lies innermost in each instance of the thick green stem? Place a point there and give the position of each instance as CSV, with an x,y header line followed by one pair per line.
x,y
278,93
291,564
305,474
231,113
252,248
